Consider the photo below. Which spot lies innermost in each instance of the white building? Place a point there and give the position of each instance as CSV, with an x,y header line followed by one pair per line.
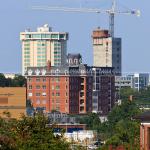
x,y
136,81
106,50
140,80
81,136
42,46
10,75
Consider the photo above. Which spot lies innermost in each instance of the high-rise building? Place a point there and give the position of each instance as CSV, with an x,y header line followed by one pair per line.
x,y
42,46
106,50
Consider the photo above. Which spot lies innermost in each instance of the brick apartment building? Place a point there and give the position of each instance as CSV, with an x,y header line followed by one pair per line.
x,y
103,98
66,89
69,88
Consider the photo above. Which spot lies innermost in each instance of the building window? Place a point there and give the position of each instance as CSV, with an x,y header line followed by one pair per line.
x,y
52,87
37,79
29,79
57,101
66,101
57,94
57,108
53,94
29,94
38,87
118,43
44,79
44,102
30,87
37,94
66,86
57,87
44,94
57,79
44,86
53,100
118,55
66,94
38,101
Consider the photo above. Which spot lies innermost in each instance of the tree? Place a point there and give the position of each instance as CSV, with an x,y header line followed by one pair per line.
x,y
19,81
126,92
30,133
92,121
2,80
121,129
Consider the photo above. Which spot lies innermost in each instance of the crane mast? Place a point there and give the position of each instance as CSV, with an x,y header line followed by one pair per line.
x,y
112,19
112,12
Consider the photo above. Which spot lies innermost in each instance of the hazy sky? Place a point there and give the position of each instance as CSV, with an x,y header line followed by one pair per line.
x,y
17,15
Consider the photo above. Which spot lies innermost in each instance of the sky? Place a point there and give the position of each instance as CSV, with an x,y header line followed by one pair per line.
x,y
17,15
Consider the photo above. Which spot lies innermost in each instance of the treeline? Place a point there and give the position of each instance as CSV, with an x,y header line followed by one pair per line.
x,y
120,129
141,98
18,81
29,133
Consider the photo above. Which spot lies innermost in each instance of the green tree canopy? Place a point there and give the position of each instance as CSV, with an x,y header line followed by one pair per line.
x,y
18,81
29,133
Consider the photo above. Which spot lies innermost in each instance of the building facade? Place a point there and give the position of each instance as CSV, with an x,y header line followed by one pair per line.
x,y
136,81
13,100
123,82
67,89
103,98
42,46
140,81
107,50
144,118
74,88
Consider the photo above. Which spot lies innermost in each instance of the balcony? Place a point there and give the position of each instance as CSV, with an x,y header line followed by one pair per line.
x,y
81,102
82,109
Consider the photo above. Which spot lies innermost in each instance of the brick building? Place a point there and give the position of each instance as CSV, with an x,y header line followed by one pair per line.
x,y
103,98
144,130
67,89
74,88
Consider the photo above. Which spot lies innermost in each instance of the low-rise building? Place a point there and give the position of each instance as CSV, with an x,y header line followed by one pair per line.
x,y
84,137
144,130
13,101
123,81
136,81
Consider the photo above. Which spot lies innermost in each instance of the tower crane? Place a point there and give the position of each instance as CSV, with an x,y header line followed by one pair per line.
x,y
111,12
